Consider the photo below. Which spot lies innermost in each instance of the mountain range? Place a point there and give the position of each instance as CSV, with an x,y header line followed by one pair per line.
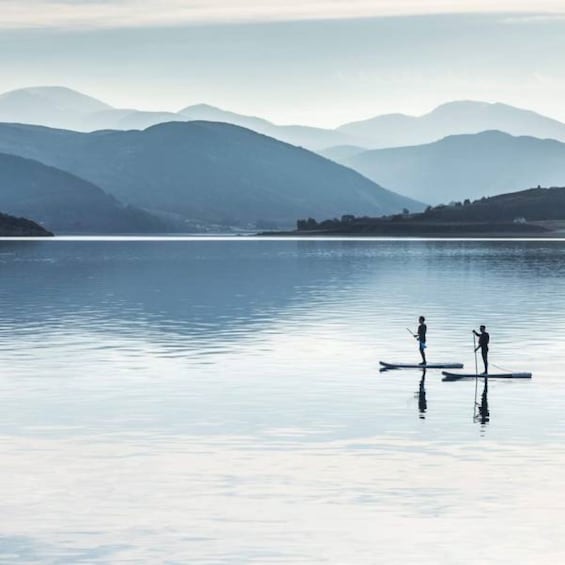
x,y
202,166
64,108
204,171
465,166
453,118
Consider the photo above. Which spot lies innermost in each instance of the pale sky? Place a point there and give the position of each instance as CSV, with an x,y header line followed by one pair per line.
x,y
133,13
317,62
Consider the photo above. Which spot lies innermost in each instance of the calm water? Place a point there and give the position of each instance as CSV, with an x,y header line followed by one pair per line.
x,y
220,402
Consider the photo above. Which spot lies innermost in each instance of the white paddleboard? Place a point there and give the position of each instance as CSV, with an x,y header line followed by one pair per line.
x,y
447,376
418,366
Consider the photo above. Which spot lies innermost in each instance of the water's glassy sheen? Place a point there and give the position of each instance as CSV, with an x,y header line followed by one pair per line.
x,y
220,402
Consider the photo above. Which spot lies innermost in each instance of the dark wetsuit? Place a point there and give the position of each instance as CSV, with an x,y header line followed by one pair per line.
x,y
484,339
422,329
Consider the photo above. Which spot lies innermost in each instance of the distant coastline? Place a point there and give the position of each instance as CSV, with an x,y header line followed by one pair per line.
x,y
536,212
422,230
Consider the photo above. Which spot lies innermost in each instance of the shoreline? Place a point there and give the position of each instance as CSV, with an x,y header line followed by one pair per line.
x,y
285,236
434,236
424,230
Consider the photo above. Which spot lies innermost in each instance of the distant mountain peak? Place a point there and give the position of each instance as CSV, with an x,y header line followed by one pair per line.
x,y
61,96
213,113
452,118
202,106
479,105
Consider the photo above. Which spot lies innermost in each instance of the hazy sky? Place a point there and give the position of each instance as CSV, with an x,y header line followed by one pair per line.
x,y
319,62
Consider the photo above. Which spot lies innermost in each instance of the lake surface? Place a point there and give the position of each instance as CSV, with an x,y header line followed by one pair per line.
x,y
220,401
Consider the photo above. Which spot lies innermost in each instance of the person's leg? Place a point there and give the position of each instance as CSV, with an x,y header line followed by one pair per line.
x,y
485,359
423,354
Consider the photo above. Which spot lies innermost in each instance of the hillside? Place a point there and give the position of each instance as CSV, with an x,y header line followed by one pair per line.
x,y
10,226
465,166
213,172
532,212
531,205
453,118
64,203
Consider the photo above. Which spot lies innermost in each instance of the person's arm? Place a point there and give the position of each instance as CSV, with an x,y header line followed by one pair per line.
x,y
477,334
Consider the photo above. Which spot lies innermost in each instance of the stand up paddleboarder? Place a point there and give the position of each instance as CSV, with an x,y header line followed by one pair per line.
x,y
484,339
421,337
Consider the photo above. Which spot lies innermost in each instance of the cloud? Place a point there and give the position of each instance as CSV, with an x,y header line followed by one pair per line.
x,y
535,19
151,13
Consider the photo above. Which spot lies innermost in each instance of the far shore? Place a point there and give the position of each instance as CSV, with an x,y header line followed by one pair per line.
x,y
548,229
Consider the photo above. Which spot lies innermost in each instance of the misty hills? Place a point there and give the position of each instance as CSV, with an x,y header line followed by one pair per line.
x,y
200,168
212,172
67,109
52,106
465,166
125,119
341,153
62,202
64,108
302,136
460,117
207,113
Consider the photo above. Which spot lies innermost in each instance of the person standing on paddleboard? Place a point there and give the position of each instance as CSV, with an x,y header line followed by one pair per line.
x,y
484,339
421,337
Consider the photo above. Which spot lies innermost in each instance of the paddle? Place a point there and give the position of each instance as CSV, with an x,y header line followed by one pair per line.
x,y
476,374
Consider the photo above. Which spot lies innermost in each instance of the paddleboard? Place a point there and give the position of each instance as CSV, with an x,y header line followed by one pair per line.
x,y
417,366
447,376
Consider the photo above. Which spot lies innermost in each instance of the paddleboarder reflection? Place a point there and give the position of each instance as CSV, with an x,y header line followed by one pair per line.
x,y
422,402
482,412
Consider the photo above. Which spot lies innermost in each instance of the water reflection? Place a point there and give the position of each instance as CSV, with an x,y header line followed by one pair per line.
x,y
422,402
159,397
482,412
200,291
